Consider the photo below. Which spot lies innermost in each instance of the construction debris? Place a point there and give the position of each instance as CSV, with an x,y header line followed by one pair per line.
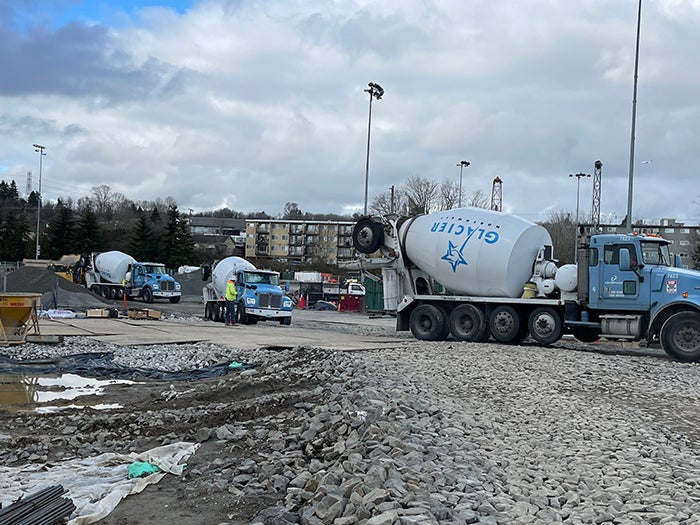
x,y
45,507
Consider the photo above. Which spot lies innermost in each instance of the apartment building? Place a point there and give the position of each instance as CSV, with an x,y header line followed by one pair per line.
x,y
299,240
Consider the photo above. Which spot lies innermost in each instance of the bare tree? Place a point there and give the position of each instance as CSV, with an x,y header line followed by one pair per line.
x,y
561,226
101,199
449,195
382,204
479,200
421,194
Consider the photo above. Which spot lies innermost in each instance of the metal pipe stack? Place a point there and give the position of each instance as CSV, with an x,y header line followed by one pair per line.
x,y
45,507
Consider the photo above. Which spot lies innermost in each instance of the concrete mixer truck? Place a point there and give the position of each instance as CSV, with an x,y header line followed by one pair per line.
x,y
475,274
259,296
106,274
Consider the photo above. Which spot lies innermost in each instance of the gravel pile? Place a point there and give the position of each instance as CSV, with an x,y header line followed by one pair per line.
x,y
432,433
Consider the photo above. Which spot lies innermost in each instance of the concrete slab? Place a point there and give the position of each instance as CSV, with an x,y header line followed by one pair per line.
x,y
130,332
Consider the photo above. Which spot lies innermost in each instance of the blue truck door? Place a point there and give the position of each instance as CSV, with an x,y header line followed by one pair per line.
x,y
622,289
139,275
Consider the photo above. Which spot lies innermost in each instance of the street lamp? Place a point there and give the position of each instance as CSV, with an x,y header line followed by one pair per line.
x,y
462,164
628,220
578,192
375,91
40,150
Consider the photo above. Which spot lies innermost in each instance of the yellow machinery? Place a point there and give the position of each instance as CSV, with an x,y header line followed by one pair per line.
x,y
18,316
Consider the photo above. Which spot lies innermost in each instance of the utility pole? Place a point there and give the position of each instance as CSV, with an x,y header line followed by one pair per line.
x,y
375,91
462,164
40,150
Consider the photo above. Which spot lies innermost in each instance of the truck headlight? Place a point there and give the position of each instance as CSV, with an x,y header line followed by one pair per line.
x,y
177,286
156,286
250,301
286,302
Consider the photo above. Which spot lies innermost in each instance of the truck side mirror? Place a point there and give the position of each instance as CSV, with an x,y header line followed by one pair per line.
x,y
625,263
677,262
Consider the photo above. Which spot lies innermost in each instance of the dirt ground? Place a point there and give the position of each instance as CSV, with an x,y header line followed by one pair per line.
x,y
157,413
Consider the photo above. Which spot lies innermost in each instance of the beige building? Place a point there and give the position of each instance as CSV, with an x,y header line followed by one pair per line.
x,y
299,240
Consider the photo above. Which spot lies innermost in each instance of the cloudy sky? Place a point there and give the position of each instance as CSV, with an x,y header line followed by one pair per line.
x,y
253,103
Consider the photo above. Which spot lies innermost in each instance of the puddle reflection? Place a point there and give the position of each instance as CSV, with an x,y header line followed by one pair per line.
x,y
44,393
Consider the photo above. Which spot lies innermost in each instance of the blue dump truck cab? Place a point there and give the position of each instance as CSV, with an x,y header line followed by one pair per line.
x,y
260,297
153,281
631,287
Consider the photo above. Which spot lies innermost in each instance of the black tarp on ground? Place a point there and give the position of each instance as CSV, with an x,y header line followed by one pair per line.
x,y
101,365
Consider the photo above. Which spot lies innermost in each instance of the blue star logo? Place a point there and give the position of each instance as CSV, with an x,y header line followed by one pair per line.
x,y
454,256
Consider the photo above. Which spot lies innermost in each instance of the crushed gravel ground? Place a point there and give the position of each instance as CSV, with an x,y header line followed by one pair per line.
x,y
427,433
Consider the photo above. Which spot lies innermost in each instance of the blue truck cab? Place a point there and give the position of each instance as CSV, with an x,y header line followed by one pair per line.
x,y
260,297
631,287
153,281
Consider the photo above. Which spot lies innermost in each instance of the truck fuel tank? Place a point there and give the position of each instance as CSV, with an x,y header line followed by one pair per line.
x,y
473,251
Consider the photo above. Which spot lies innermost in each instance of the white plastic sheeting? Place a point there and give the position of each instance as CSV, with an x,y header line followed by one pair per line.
x,y
96,484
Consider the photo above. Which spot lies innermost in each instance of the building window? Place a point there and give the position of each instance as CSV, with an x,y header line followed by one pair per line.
x,y
669,230
684,243
284,237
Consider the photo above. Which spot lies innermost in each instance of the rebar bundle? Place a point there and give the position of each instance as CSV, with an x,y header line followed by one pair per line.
x,y
45,507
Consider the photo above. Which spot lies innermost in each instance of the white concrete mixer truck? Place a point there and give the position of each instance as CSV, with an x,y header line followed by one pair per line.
x,y
474,274
259,296
106,274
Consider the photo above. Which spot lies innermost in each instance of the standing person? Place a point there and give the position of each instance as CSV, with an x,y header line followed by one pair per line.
x,y
230,315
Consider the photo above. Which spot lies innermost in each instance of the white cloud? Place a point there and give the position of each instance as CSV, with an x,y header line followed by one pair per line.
x,y
253,104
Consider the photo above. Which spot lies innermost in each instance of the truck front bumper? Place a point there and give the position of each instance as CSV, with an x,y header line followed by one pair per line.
x,y
166,295
268,313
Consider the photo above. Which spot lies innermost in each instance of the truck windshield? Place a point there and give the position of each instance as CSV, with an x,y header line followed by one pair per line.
x,y
655,253
262,278
151,268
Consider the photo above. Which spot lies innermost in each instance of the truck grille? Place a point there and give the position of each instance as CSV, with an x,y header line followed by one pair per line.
x,y
268,300
167,286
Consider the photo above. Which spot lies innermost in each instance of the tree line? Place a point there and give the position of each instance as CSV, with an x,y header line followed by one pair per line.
x,y
148,231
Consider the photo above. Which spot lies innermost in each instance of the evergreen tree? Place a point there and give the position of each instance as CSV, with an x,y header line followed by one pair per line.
x,y
178,247
143,245
88,235
59,233
14,236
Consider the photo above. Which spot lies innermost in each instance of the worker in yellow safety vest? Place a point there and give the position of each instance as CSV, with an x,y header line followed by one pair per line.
x,y
231,294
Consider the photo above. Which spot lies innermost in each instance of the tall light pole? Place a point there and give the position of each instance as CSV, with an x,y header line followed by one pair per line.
x,y
375,91
578,192
462,164
628,221
40,150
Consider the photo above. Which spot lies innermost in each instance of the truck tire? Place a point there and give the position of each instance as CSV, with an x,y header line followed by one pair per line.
x,y
545,325
95,289
104,291
147,295
506,326
175,299
367,236
207,311
286,321
112,293
428,323
680,336
468,323
241,315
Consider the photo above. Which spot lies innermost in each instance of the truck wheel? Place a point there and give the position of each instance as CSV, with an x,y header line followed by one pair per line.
x,y
112,293
241,315
545,325
506,326
147,295
104,291
207,311
95,289
286,321
585,334
120,293
427,323
175,299
367,236
468,323
680,336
